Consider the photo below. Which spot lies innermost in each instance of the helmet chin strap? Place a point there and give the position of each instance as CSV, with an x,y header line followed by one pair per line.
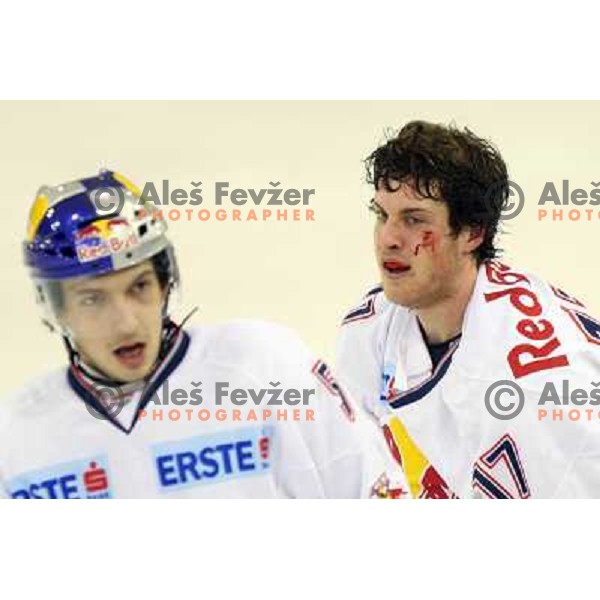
x,y
92,373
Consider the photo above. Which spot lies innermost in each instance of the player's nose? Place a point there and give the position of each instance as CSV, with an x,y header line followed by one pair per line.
x,y
390,236
125,317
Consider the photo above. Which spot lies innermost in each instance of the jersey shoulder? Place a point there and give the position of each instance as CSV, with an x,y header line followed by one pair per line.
x,y
362,341
370,307
525,295
372,318
40,396
538,330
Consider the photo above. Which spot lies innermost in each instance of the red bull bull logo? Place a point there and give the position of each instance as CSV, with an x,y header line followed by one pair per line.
x,y
89,231
104,237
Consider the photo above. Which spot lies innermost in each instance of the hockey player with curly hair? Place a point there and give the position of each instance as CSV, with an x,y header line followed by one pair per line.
x,y
467,363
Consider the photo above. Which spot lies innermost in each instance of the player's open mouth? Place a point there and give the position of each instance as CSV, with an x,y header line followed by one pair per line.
x,y
131,356
395,267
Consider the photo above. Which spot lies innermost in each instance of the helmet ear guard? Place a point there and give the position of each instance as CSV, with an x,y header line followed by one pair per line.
x,y
46,303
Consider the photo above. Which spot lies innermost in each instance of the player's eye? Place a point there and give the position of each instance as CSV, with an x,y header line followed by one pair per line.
x,y
139,287
91,300
412,221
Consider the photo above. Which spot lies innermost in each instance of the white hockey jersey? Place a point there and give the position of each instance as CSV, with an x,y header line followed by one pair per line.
x,y
239,410
529,354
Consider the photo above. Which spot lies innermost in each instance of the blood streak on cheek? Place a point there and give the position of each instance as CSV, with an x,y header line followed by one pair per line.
x,y
428,240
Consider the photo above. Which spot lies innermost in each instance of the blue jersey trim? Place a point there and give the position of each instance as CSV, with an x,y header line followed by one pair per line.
x,y
420,391
164,371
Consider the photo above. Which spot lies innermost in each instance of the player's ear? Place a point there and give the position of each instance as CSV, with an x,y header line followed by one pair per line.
x,y
473,238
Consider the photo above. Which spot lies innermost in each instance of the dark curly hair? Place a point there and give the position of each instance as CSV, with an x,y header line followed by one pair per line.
x,y
447,164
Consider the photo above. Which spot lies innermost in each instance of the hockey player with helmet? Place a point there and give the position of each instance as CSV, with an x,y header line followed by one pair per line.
x,y
104,272
478,373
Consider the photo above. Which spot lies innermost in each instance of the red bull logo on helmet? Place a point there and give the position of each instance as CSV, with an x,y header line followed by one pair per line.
x,y
103,238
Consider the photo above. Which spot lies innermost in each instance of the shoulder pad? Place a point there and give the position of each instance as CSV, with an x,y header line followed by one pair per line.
x,y
366,309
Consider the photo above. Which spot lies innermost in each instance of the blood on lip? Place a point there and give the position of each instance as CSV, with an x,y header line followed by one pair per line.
x,y
392,265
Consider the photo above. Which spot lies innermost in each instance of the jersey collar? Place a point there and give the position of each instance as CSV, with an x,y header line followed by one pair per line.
x,y
91,390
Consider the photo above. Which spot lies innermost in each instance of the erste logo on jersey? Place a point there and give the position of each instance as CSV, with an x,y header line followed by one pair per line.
x,y
88,479
231,454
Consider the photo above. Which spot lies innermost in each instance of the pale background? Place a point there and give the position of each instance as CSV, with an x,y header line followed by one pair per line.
x,y
303,274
